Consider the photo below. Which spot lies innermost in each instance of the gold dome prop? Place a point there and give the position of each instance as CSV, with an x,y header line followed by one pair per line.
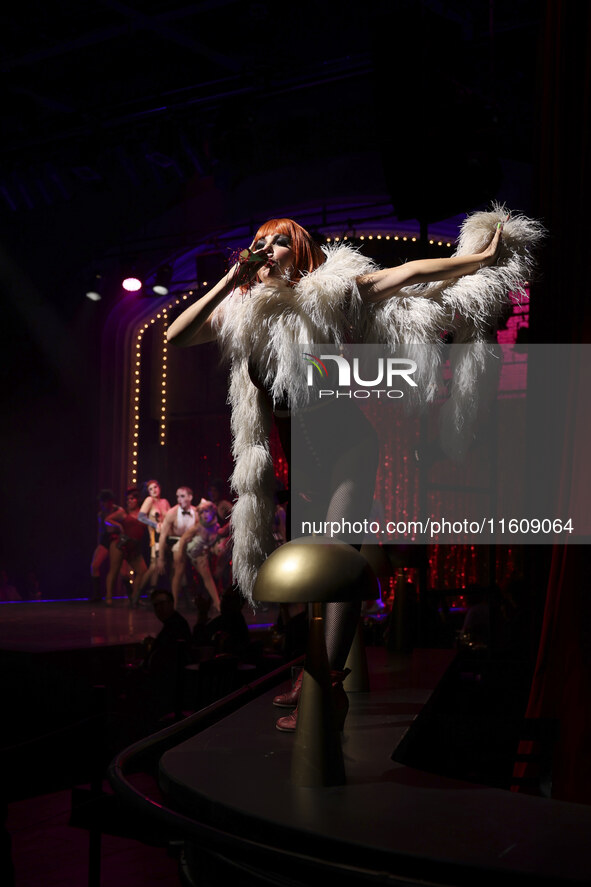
x,y
303,571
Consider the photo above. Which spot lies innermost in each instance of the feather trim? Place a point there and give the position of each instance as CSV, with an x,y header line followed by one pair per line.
x,y
470,305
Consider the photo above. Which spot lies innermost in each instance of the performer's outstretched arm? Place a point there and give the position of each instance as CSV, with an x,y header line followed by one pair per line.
x,y
193,326
380,285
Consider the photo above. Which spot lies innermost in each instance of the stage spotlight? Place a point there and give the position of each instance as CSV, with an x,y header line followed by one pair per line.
x,y
162,280
132,284
93,291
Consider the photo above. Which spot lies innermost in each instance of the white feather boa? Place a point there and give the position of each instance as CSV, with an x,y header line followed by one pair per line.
x,y
324,307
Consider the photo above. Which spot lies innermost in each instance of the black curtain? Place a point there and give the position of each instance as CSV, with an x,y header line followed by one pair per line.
x,y
561,313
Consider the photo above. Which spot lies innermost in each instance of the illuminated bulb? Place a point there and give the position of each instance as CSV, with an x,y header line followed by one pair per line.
x,y
405,238
362,237
132,284
413,239
431,242
439,243
396,237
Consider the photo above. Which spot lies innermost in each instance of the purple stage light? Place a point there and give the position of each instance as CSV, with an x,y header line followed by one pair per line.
x,y
132,284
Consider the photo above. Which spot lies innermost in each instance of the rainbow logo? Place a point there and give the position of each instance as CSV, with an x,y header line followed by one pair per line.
x,y
316,362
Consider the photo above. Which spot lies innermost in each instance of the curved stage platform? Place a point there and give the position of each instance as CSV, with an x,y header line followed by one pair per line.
x,y
226,795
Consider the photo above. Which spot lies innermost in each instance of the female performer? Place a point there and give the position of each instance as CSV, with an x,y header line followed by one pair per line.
x,y
105,535
286,292
154,508
197,542
126,545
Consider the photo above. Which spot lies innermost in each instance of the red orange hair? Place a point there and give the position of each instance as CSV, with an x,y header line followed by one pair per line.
x,y
307,254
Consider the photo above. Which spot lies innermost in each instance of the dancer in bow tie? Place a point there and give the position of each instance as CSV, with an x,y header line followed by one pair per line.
x,y
180,518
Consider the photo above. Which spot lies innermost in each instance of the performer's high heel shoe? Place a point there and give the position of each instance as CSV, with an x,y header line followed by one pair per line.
x,y
340,704
290,699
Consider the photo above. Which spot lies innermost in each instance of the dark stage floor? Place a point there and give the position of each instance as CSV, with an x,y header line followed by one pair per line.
x,y
49,649
48,626
409,823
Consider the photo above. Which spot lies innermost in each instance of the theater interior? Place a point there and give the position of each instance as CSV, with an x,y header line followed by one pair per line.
x,y
149,140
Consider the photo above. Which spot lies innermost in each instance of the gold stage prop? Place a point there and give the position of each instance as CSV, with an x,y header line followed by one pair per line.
x,y
304,571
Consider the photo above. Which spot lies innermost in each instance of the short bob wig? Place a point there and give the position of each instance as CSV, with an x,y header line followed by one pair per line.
x,y
307,254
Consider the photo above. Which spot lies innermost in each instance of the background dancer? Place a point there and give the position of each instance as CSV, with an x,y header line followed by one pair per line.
x,y
126,545
155,508
196,544
105,535
180,518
